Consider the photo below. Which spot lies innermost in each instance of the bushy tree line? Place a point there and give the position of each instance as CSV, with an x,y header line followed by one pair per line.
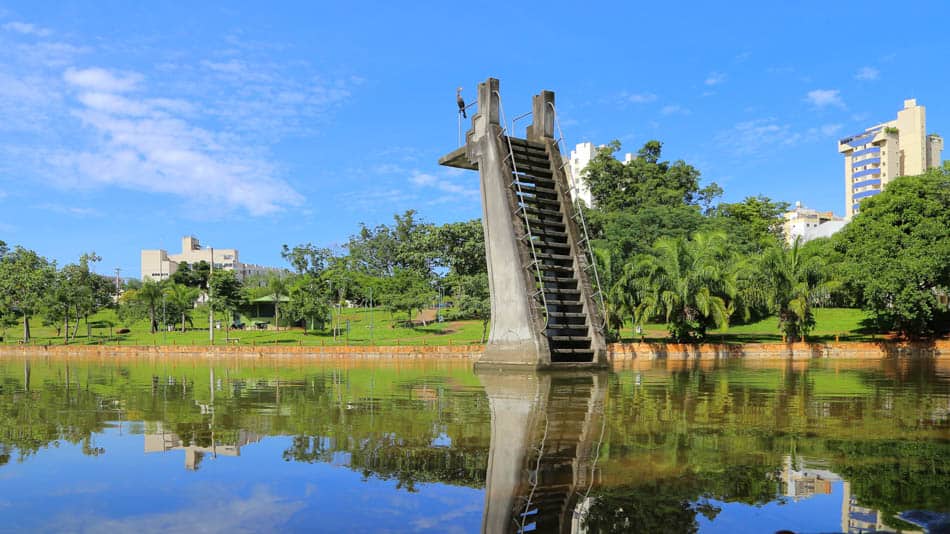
x,y
666,253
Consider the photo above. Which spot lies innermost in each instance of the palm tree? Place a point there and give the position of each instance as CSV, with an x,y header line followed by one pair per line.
x,y
688,282
150,294
182,298
793,283
278,289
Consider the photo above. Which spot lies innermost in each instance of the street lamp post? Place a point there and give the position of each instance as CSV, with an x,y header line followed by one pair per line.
x,y
210,305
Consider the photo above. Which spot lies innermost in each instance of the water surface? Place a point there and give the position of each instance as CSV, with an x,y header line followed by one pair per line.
x,y
121,444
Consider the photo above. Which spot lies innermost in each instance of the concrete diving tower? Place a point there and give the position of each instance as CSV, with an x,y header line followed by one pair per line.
x,y
545,311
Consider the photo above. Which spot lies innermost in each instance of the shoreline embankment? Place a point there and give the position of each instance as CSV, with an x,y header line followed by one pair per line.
x,y
619,352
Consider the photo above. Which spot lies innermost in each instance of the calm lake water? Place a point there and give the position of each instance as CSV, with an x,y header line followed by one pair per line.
x,y
118,445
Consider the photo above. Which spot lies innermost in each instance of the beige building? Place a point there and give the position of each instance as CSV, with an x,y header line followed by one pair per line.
x,y
163,441
883,152
160,265
809,224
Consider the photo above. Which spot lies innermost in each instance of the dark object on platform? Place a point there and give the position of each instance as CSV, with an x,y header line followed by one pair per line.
x,y
461,102
122,331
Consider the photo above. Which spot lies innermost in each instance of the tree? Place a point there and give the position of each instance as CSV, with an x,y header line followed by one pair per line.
x,y
308,300
406,290
25,277
474,302
307,258
148,296
228,294
754,224
793,284
897,253
688,283
277,288
460,247
644,180
181,299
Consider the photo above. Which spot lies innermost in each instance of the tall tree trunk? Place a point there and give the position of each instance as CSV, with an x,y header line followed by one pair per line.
x,y
277,313
88,328
26,328
66,326
151,318
182,322
76,328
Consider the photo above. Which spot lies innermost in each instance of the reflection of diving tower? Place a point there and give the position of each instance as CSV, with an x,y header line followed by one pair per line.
x,y
545,434
546,308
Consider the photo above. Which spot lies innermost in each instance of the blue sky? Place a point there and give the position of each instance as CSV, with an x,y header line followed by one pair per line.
x,y
125,127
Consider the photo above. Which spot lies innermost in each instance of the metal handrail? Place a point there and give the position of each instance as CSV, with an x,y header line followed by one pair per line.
x,y
588,251
524,213
537,469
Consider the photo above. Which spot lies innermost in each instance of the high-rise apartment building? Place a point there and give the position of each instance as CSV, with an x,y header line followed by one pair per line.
x,y
158,264
580,157
883,152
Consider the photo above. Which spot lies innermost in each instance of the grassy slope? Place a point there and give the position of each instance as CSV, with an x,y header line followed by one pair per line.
x,y
389,330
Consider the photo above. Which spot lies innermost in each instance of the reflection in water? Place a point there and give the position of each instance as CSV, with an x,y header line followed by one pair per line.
x,y
545,432
656,447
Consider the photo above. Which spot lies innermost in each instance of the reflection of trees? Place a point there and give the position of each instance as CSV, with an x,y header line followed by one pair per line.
x,y
688,435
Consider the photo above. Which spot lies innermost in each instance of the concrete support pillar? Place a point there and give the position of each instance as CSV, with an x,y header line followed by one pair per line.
x,y
542,112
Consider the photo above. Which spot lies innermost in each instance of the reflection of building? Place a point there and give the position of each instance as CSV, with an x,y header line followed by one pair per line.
x,y
159,264
545,434
162,441
857,519
885,151
804,482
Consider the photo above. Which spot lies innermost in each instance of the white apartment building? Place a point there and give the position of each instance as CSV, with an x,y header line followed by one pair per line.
x,y
885,151
809,224
580,157
158,264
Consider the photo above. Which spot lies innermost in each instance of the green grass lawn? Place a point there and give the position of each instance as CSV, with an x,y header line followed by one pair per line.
x,y
379,327
845,323
366,327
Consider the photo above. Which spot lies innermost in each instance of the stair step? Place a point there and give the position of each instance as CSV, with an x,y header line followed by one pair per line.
x,y
550,233
532,188
534,170
540,201
569,338
531,157
562,291
539,227
558,257
520,142
541,211
560,248
547,267
559,280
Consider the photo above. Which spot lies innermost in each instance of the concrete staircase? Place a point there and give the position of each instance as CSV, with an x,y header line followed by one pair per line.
x,y
546,211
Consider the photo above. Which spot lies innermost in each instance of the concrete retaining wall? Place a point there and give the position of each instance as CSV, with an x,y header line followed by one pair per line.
x,y
619,352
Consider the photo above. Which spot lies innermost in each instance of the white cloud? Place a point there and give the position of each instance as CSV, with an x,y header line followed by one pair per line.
x,y
70,210
96,79
830,129
715,78
447,188
757,137
825,97
674,109
867,73
147,147
638,98
26,29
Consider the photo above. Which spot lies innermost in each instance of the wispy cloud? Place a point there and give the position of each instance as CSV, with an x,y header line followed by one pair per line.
x,y
674,109
715,78
26,29
448,189
96,79
638,98
759,138
821,98
70,210
867,74
147,147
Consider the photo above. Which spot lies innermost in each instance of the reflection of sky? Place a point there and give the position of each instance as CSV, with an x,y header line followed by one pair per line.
x,y
817,513
126,490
